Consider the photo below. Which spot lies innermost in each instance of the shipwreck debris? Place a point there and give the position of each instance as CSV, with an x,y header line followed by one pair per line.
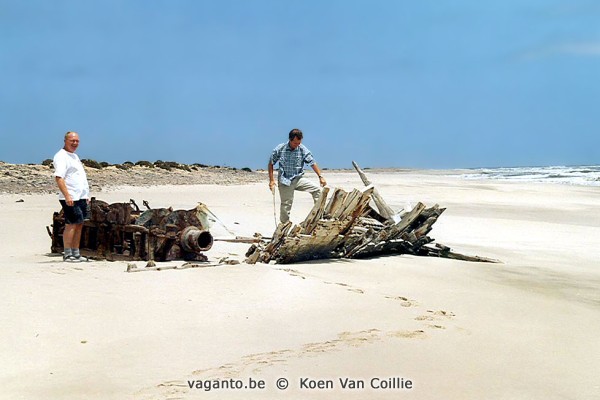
x,y
121,231
345,225
135,268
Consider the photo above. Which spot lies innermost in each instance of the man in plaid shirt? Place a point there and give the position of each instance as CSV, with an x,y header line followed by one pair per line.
x,y
292,157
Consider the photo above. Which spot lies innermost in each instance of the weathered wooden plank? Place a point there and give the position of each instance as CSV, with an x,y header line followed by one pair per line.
x,y
390,232
435,210
348,200
409,237
384,209
280,233
425,228
441,247
278,238
320,244
351,215
422,241
134,268
358,244
406,221
335,202
445,252
241,239
383,248
295,230
463,257
253,254
362,175
370,223
316,213
354,205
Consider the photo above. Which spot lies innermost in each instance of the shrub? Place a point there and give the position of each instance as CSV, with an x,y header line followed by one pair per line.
x,y
47,162
246,169
124,166
143,163
104,164
169,165
163,166
91,163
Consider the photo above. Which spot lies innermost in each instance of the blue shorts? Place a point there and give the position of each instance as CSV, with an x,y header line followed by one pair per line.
x,y
75,214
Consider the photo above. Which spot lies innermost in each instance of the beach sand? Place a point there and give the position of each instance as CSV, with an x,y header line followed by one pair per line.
x,y
526,328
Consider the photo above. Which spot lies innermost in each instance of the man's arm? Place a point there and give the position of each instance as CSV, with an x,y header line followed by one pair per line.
x,y
62,186
271,177
317,170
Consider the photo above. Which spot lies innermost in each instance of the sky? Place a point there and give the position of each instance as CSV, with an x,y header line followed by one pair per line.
x,y
387,83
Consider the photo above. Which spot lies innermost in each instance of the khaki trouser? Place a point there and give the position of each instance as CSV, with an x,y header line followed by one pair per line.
x,y
286,193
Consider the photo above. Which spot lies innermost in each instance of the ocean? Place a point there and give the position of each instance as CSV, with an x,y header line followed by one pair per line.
x,y
585,175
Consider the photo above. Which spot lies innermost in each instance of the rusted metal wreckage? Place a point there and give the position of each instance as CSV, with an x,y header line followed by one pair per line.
x,y
121,231
345,225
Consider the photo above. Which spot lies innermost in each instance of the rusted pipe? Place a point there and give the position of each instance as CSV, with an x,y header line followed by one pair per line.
x,y
194,240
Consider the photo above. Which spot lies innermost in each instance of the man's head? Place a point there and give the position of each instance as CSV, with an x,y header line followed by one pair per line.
x,y
71,141
295,138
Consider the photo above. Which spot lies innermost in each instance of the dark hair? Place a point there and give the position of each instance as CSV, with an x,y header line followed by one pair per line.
x,y
295,133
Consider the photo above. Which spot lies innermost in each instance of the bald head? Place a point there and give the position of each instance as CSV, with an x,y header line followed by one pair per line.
x,y
71,141
70,133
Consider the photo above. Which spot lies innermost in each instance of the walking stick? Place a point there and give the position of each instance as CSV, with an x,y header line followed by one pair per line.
x,y
274,208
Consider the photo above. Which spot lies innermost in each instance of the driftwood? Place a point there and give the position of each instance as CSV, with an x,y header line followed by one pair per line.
x,y
385,210
241,239
344,225
154,267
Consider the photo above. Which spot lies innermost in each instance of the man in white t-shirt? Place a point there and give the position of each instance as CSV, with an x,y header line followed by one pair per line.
x,y
74,195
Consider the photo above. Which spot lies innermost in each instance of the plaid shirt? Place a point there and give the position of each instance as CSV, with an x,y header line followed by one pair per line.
x,y
291,162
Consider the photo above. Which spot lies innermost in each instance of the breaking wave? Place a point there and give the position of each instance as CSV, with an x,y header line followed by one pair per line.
x,y
588,175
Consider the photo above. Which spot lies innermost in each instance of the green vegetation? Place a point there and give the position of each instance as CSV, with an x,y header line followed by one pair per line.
x,y
144,163
91,163
166,165
169,165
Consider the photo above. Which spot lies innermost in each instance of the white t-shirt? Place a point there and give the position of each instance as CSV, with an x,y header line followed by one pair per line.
x,y
68,166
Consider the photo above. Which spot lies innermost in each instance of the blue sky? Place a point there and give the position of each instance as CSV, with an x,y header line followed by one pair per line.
x,y
417,84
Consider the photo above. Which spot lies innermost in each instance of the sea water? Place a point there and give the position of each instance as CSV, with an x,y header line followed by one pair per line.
x,y
587,175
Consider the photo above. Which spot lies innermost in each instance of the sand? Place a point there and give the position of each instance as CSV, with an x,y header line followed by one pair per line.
x,y
432,328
